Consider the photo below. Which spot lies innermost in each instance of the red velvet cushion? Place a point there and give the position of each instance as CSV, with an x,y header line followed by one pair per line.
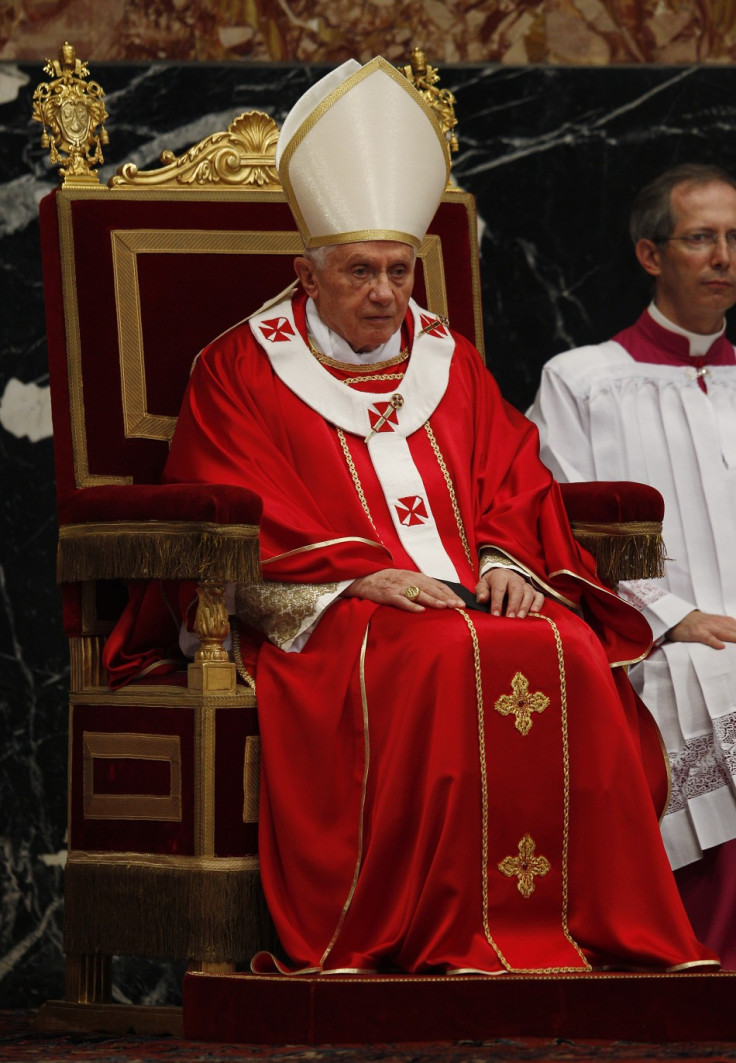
x,y
199,503
612,502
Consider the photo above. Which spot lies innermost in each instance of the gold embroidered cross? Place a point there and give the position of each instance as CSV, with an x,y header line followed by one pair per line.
x,y
525,866
521,703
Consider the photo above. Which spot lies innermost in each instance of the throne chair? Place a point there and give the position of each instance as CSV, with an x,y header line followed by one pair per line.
x,y
163,773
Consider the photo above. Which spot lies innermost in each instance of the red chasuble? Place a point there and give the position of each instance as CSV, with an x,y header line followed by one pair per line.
x,y
447,790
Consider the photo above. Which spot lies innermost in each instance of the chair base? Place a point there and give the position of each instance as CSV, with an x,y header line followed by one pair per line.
x,y
62,1016
336,1009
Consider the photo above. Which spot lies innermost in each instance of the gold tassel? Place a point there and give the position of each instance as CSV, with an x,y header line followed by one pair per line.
x,y
174,913
158,550
624,551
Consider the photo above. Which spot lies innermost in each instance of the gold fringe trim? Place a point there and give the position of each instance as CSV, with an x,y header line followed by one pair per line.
x,y
158,550
214,916
624,551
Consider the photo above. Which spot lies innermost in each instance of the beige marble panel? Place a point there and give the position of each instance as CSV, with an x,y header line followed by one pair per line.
x,y
519,32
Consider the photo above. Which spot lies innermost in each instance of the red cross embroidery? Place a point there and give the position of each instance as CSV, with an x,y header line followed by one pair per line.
x,y
383,409
412,510
432,326
277,330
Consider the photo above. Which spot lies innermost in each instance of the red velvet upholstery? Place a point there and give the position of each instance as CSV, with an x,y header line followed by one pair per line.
x,y
612,501
217,503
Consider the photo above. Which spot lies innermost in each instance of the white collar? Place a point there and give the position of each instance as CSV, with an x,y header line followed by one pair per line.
x,y
699,345
422,388
334,346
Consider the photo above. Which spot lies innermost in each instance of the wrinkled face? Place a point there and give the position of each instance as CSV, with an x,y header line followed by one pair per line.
x,y
695,285
362,291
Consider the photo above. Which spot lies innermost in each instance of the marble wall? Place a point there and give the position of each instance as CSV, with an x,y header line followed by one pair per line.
x,y
553,155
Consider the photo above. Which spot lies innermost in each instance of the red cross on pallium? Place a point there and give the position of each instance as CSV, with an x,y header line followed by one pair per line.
x,y
412,510
277,330
376,412
432,326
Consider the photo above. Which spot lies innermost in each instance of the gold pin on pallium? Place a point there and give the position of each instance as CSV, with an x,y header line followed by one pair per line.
x,y
394,403
439,319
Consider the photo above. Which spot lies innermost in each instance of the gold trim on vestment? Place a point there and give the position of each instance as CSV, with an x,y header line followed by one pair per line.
x,y
549,590
355,478
128,746
366,767
484,797
453,497
349,381
356,367
589,583
321,546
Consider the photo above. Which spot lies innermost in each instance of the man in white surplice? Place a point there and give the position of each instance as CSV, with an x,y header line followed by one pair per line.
x,y
657,404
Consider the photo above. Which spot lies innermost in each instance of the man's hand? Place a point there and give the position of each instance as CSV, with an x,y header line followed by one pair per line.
x,y
708,628
387,586
504,585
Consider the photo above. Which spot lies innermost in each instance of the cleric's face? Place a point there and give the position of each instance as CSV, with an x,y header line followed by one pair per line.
x,y
695,267
363,290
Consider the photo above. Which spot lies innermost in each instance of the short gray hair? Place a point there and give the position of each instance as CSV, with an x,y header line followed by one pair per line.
x,y
652,217
317,255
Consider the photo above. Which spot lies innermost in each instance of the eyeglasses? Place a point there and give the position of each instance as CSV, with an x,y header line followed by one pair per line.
x,y
702,241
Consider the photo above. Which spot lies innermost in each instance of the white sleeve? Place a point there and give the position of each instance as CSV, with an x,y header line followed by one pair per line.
x,y
563,421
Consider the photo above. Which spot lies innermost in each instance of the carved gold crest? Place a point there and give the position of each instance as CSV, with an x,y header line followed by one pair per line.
x,y
71,111
245,154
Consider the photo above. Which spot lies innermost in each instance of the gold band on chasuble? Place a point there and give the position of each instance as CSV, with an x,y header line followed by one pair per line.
x,y
526,865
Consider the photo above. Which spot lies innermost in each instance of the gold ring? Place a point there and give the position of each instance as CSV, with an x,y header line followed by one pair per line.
x,y
411,592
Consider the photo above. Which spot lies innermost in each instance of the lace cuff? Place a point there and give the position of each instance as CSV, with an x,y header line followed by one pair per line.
x,y
661,609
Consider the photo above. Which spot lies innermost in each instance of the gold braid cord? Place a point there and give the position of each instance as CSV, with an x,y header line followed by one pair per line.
x,y
453,496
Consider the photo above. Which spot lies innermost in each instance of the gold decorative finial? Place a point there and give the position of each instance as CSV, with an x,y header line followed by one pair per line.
x,y
244,155
424,78
70,110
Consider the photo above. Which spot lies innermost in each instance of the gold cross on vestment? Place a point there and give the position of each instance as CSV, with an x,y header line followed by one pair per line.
x,y
525,866
521,703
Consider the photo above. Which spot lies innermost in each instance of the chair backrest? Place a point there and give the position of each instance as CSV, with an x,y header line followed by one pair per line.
x,y
139,276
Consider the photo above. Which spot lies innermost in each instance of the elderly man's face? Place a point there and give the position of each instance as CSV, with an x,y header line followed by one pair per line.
x,y
696,284
363,290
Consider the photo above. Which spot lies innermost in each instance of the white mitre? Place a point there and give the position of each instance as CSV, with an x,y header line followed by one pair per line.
x,y
361,156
